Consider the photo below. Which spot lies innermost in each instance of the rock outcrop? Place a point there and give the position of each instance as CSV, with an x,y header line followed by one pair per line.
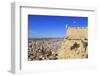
x,y
75,44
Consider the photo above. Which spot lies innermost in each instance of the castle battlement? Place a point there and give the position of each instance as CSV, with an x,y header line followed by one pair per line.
x,y
77,33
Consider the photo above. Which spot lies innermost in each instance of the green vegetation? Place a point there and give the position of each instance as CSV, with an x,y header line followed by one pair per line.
x,y
75,46
85,44
86,55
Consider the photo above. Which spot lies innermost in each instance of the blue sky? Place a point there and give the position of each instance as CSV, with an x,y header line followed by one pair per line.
x,y
43,26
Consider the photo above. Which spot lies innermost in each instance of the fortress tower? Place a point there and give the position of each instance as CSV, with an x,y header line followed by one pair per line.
x,y
75,44
76,32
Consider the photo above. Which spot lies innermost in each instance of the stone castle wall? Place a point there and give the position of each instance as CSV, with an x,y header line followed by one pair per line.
x,y
77,33
75,44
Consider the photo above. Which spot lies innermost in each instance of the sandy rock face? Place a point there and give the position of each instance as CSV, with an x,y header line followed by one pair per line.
x,y
75,44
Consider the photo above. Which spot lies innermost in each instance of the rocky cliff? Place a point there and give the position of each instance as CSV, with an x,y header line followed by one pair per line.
x,y
75,44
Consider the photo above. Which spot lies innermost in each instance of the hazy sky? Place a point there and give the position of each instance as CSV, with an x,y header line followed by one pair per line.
x,y
41,26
